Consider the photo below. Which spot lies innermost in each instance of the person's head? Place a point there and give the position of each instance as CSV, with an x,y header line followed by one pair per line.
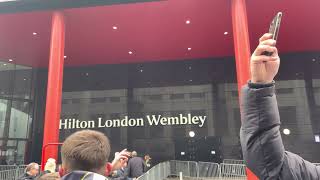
x,y
147,157
85,150
50,165
32,169
134,154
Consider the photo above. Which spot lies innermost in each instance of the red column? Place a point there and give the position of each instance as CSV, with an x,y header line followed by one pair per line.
x,y
241,41
54,87
241,48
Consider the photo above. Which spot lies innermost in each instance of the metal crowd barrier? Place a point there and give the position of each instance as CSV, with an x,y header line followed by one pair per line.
x,y
11,172
159,171
8,174
188,168
208,169
233,171
233,161
7,167
196,170
20,170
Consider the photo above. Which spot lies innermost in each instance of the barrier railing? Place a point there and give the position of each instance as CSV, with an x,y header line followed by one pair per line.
x,y
208,169
188,168
159,171
233,161
8,174
7,167
21,170
196,170
12,171
233,171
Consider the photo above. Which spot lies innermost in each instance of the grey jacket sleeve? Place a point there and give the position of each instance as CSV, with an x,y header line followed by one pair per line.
x,y
261,141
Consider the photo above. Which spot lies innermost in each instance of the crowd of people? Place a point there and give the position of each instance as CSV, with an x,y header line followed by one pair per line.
x,y
84,156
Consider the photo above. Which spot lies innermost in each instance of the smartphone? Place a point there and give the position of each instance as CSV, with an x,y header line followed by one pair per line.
x,y
274,29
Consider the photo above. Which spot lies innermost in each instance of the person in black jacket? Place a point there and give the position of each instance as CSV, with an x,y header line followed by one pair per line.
x,y
261,141
31,172
135,166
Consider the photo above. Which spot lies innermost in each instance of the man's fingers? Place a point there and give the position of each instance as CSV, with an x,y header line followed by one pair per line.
x,y
269,42
263,48
124,150
265,37
124,153
260,59
123,157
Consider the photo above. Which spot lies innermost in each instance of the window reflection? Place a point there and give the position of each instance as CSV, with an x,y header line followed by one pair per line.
x,y
22,82
3,110
15,111
6,79
20,152
19,119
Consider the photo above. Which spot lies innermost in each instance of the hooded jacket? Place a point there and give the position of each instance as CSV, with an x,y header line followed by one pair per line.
x,y
261,140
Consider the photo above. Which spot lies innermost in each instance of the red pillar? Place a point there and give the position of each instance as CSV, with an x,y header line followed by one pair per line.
x,y
241,48
54,87
241,41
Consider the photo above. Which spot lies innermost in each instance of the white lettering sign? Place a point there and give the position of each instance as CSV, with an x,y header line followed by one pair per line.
x,y
151,120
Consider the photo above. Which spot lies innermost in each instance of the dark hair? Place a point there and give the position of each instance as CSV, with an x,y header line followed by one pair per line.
x,y
86,150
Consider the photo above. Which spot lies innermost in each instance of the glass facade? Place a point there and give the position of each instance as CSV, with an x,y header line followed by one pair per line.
x,y
16,111
151,85
99,97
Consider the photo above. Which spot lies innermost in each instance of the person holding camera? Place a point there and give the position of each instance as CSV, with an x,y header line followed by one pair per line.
x,y
261,141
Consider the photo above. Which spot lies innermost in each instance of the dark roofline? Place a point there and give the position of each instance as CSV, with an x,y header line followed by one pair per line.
x,y
33,5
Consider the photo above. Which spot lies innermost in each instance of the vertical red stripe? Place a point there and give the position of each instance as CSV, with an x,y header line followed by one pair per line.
x,y
242,49
54,87
241,41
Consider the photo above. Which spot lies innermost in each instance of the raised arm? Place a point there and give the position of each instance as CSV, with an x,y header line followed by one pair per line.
x,y
261,141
